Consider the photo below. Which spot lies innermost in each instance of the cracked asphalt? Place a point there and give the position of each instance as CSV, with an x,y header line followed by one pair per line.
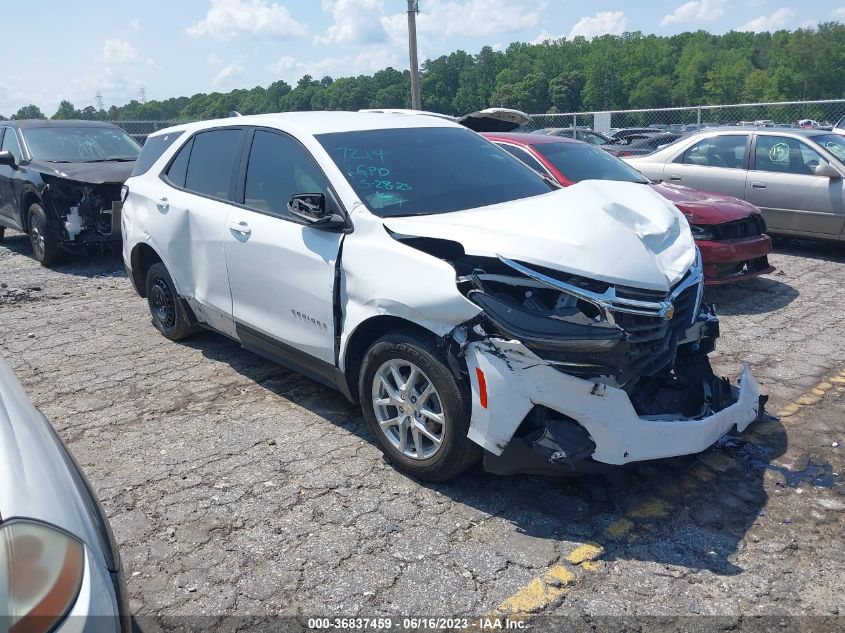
x,y
235,487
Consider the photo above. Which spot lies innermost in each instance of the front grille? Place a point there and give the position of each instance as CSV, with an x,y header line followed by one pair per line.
x,y
654,340
751,226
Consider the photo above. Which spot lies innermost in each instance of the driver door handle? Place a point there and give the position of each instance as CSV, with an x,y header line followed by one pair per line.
x,y
758,185
675,177
240,227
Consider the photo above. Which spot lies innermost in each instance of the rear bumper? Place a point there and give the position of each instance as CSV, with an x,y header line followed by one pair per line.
x,y
514,380
735,260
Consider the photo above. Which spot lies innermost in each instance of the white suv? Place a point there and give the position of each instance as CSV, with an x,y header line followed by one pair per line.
x,y
434,278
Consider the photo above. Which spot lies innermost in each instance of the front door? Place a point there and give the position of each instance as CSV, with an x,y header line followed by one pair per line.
x,y
281,272
782,182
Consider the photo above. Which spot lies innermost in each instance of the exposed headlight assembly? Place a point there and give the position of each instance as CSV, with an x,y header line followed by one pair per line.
x,y
702,232
41,571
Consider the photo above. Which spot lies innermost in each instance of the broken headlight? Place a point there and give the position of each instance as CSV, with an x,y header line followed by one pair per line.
x,y
542,316
702,232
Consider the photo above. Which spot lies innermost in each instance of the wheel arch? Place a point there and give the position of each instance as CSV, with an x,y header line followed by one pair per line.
x,y
28,198
142,259
365,334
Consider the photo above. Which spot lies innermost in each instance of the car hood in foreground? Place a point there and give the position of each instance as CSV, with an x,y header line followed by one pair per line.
x,y
39,479
89,173
704,207
617,232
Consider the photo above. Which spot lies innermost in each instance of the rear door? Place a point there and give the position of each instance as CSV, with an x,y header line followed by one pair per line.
x,y
782,182
715,163
282,272
201,179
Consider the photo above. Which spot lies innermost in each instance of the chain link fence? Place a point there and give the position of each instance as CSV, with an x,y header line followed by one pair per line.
x,y
140,130
823,114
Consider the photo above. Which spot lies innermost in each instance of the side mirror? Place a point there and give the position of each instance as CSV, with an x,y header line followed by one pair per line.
x,y
825,170
310,208
7,158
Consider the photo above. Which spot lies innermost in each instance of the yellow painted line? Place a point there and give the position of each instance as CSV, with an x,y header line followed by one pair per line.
x,y
620,527
813,395
539,593
652,509
586,553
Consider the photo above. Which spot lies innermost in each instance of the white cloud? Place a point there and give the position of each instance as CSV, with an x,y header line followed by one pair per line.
x,y
839,13
777,20
213,59
355,22
231,74
695,11
229,18
291,69
603,22
467,18
118,52
135,24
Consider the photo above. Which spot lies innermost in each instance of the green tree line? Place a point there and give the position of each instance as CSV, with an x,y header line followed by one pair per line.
x,y
609,72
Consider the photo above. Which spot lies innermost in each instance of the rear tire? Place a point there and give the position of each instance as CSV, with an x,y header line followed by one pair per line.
x,y
166,308
407,391
44,245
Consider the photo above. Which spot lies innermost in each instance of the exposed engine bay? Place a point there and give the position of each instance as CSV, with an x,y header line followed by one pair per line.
x,y
86,214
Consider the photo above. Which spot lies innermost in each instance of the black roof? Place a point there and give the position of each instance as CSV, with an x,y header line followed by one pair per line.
x,y
34,123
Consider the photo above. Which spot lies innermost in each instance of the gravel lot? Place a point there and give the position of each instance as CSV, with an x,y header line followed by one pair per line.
x,y
236,487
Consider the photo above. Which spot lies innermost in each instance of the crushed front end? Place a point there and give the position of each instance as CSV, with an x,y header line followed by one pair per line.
x,y
568,373
83,216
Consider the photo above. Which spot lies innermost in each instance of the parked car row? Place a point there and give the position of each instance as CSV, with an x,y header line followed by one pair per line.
x,y
528,301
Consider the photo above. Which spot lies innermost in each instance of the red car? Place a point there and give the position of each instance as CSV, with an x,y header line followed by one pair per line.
x,y
730,232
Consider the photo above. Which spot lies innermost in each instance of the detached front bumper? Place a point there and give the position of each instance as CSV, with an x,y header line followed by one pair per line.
x,y
735,260
509,380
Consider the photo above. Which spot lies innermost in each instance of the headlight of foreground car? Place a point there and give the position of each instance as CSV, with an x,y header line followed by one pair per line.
x,y
41,570
701,232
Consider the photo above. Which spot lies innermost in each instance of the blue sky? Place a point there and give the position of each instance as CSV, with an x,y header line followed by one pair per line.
x,y
182,47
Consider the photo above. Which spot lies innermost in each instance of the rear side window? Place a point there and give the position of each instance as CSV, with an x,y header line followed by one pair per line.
x,y
525,157
179,167
152,151
212,162
718,151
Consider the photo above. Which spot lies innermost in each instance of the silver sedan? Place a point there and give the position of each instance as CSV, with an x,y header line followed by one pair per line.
x,y
59,566
794,176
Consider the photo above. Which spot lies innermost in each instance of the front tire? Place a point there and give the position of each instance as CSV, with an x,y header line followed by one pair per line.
x,y
416,408
169,316
44,246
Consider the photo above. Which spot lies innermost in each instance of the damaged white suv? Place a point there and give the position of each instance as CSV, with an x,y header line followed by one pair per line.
x,y
434,278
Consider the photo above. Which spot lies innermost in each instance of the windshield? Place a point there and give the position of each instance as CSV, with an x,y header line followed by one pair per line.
x,y
422,171
833,143
578,162
80,144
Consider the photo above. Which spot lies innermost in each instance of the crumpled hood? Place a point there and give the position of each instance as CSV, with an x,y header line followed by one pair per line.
x,y
616,232
89,173
705,207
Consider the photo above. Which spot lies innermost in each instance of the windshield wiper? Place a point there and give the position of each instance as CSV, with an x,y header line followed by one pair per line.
x,y
118,159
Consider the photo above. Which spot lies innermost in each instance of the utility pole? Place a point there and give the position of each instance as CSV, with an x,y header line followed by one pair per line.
x,y
413,9
99,100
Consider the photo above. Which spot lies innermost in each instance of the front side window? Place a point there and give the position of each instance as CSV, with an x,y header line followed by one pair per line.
x,y
212,162
786,155
578,162
10,144
833,143
428,170
718,151
279,167
80,145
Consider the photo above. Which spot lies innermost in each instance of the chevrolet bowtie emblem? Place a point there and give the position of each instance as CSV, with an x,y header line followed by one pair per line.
x,y
670,312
